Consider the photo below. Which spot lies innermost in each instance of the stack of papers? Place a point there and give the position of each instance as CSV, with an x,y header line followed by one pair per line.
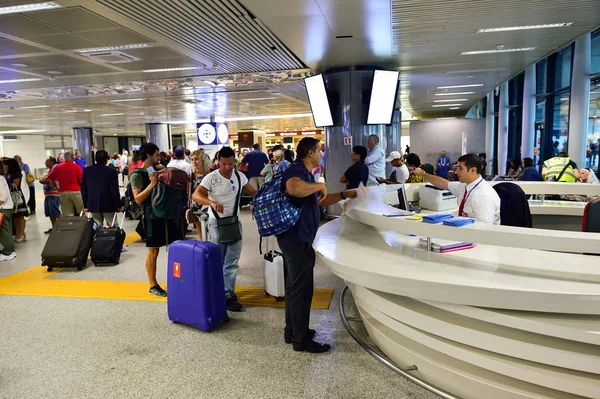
x,y
458,221
444,246
436,219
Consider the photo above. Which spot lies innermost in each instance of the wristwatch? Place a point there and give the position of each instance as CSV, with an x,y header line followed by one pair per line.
x,y
342,195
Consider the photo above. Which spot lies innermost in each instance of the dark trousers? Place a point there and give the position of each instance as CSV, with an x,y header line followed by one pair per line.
x,y
31,202
299,261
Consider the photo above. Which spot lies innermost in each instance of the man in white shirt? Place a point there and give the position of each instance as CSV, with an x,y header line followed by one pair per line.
x,y
400,172
220,190
476,198
179,161
375,159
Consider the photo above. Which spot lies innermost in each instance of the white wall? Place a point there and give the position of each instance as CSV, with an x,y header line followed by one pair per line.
x,y
428,138
30,147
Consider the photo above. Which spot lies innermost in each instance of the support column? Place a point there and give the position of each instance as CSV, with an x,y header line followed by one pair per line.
x,y
392,138
159,134
528,129
83,141
503,129
489,133
580,99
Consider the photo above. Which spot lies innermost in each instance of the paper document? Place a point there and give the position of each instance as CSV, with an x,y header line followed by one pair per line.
x,y
349,204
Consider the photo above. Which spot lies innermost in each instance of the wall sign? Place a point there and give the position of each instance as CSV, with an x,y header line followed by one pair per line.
x,y
347,140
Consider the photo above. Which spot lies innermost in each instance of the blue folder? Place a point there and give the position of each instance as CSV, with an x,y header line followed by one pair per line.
x,y
458,221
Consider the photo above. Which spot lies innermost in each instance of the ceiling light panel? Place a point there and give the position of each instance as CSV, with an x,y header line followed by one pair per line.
x,y
20,80
47,5
462,93
504,50
460,86
35,106
127,100
451,100
446,105
171,69
114,48
21,131
525,27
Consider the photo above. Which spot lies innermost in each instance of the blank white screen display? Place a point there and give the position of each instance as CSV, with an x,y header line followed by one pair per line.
x,y
383,97
317,96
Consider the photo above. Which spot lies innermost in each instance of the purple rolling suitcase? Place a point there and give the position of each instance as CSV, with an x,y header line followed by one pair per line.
x,y
195,284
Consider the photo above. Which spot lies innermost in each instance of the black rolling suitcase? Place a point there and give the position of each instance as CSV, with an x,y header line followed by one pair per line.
x,y
108,244
69,242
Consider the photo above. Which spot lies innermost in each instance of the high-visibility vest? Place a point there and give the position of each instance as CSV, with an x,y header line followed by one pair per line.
x,y
554,167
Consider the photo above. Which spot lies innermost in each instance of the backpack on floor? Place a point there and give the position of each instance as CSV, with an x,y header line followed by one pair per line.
x,y
170,196
272,209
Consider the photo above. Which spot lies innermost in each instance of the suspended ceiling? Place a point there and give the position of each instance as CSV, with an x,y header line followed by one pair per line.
x,y
259,47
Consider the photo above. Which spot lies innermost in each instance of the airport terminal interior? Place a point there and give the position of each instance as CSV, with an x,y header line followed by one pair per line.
x,y
421,290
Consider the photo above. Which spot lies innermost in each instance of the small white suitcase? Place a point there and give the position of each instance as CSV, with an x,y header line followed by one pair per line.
x,y
274,275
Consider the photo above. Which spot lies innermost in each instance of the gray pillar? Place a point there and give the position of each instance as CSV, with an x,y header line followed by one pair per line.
x,y
489,132
159,134
350,113
83,141
393,134
529,100
503,129
580,99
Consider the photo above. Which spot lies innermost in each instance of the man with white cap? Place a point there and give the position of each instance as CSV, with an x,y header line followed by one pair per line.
x,y
400,173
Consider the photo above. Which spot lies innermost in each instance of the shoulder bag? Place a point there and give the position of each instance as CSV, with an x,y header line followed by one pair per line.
x,y
229,227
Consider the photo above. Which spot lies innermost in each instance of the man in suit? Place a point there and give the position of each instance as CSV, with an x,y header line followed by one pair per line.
x,y
100,190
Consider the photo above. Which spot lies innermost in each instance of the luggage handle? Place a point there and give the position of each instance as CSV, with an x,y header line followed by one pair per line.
x,y
88,215
122,220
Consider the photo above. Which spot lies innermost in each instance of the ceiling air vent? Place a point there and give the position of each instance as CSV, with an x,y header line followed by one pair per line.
x,y
111,57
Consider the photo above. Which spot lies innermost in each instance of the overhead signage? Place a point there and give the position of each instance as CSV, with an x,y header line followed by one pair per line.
x,y
8,138
211,133
285,134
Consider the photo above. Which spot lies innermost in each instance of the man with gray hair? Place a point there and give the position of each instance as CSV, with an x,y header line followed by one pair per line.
x,y
68,174
375,159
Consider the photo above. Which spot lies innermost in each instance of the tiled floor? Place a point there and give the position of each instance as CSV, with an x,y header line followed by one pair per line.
x,y
53,347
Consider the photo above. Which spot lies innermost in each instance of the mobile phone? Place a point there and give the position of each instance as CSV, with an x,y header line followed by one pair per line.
x,y
151,170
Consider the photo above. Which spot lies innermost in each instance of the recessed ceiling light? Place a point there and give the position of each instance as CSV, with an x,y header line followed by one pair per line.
x,y
504,50
113,48
446,105
6,116
564,99
54,72
454,108
127,100
462,93
111,114
440,119
525,27
20,65
451,100
47,5
35,106
21,131
460,86
20,80
261,99
171,69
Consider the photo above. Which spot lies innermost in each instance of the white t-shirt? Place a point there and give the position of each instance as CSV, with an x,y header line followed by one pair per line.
x,y
223,191
482,204
180,164
7,202
402,174
124,162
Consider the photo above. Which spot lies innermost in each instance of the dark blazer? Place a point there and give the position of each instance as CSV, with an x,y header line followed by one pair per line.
x,y
100,189
514,208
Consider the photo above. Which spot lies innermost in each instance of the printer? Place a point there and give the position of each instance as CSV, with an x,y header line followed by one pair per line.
x,y
436,199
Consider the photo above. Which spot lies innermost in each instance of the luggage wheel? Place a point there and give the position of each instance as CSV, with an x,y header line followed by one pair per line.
x,y
50,268
279,298
226,318
79,268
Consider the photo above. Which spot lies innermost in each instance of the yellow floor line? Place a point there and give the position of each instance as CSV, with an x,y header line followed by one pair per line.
x,y
33,282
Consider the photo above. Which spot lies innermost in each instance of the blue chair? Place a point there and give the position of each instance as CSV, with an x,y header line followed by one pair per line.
x,y
514,207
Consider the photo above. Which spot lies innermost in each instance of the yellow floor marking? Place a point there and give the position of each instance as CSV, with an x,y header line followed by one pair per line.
x,y
33,282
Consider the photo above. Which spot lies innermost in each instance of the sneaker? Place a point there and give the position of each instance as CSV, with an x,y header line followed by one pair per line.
x,y
27,218
157,291
48,231
288,338
8,257
233,305
125,248
311,347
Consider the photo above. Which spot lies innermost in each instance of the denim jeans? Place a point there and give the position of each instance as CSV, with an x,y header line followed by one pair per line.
x,y
230,254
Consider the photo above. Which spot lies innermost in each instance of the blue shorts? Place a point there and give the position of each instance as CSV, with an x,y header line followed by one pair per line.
x,y
52,206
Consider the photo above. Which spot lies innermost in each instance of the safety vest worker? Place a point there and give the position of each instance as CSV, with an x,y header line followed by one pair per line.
x,y
553,168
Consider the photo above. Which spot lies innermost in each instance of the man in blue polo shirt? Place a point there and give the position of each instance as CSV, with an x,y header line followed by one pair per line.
x,y
296,244
256,160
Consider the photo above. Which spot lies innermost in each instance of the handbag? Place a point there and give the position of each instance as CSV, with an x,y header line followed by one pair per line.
x,y
17,198
29,178
190,218
244,167
229,227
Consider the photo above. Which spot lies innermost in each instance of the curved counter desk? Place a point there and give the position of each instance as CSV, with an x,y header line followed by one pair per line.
x,y
506,319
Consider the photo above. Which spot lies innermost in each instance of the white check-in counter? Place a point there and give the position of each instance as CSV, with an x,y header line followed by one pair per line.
x,y
518,316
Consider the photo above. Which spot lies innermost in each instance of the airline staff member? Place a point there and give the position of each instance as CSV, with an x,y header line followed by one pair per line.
x,y
476,198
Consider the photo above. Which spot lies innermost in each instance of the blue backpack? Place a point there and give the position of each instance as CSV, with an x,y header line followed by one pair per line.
x,y
272,209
